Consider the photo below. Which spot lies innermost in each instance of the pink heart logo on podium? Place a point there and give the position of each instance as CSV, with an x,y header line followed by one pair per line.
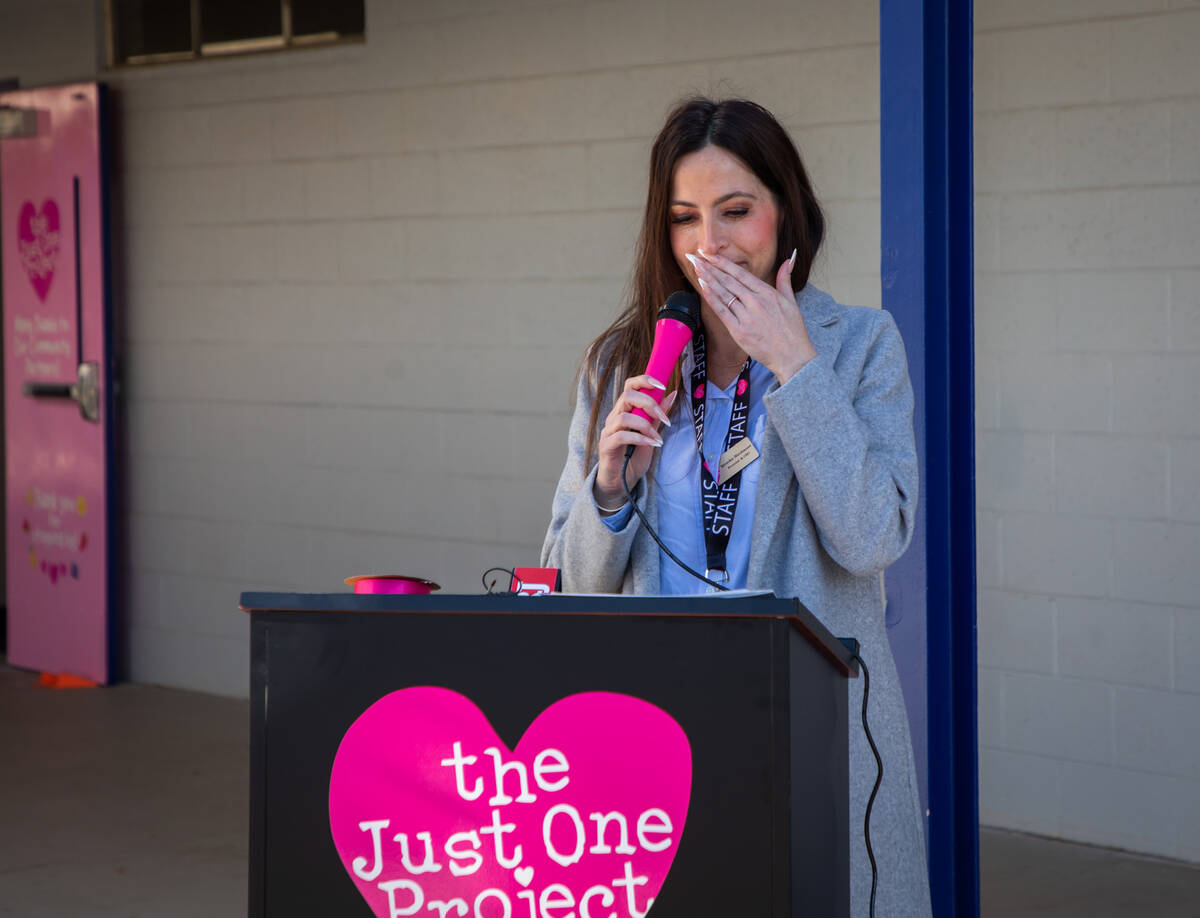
x,y
431,813
38,234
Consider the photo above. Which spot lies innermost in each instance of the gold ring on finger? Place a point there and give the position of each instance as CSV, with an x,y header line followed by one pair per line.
x,y
729,302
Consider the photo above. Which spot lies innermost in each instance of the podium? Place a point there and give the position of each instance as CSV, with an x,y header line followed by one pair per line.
x,y
756,683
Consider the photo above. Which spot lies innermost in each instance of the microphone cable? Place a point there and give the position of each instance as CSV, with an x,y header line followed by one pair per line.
x,y
854,655
650,529
492,586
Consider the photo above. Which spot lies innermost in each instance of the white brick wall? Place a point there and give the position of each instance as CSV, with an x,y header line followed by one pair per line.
x,y
359,279
1088,430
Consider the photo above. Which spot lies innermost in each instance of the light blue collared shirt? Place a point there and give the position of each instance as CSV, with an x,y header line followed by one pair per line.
x,y
680,520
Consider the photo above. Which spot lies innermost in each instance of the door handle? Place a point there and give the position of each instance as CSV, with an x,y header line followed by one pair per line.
x,y
85,391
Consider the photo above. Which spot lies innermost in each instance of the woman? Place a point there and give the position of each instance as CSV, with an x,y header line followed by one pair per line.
x,y
821,390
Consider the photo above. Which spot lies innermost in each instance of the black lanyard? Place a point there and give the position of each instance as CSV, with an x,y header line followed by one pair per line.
x,y
718,500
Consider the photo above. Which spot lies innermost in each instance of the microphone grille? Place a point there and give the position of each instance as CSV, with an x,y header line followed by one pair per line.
x,y
684,306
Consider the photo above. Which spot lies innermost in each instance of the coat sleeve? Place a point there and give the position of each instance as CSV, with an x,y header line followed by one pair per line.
x,y
854,457
592,557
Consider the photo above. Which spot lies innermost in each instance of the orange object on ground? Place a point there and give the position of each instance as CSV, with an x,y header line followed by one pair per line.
x,y
65,680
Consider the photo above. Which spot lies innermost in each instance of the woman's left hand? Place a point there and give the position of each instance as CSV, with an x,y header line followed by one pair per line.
x,y
762,319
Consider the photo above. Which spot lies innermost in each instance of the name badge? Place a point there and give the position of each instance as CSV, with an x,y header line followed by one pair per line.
x,y
736,458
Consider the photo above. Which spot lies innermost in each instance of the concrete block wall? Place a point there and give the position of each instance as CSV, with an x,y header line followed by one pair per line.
x,y
1088,430
357,281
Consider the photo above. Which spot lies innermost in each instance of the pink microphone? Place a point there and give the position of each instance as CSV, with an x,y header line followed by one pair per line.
x,y
678,320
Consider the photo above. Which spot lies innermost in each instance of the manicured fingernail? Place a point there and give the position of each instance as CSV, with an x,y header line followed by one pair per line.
x,y
701,281
692,258
657,385
792,260
702,252
662,417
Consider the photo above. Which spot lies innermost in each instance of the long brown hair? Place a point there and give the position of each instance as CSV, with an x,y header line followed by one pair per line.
x,y
749,132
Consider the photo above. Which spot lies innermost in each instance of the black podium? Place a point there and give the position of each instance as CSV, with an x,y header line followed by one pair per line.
x,y
757,684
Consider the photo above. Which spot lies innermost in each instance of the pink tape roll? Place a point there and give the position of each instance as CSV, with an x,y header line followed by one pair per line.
x,y
390,583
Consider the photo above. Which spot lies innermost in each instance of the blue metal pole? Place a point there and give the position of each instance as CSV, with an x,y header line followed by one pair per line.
x,y
927,272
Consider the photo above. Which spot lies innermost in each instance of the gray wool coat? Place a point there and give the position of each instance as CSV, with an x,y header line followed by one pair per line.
x,y
836,503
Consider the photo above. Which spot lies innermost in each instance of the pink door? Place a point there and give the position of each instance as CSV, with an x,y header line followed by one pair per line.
x,y
58,393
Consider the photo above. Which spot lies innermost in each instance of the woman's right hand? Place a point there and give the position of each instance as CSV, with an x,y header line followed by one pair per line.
x,y
621,429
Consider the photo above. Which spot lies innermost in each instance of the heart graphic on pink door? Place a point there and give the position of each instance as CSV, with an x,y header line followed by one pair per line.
x,y
38,243
431,813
